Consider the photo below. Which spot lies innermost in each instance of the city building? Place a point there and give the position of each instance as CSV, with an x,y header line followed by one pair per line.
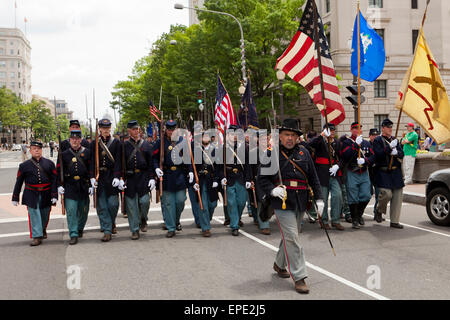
x,y
15,63
193,17
50,105
62,108
398,23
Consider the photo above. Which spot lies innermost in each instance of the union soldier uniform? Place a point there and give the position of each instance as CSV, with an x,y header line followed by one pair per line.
x,y
375,189
39,194
358,180
174,181
209,188
109,169
237,178
329,184
389,179
139,173
290,254
65,145
76,164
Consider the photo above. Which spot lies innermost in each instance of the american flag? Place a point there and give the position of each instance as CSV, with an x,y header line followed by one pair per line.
x,y
224,115
300,63
153,111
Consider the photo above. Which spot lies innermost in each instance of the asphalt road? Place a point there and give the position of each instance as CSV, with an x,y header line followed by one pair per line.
x,y
376,262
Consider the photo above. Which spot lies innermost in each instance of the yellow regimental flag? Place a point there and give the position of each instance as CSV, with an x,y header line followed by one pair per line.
x,y
423,96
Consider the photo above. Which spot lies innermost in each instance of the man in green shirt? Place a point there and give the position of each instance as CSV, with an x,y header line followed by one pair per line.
x,y
409,142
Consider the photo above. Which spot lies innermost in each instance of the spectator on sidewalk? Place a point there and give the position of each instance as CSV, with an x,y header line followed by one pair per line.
x,y
409,142
24,149
52,147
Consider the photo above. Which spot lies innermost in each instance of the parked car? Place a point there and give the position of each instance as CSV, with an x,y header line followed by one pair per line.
x,y
438,197
16,147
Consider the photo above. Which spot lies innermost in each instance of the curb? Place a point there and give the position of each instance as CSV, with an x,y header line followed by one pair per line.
x,y
416,198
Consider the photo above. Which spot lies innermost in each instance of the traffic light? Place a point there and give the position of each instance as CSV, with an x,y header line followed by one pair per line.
x,y
354,95
200,96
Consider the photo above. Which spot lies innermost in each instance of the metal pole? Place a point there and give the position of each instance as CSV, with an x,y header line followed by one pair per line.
x,y
281,101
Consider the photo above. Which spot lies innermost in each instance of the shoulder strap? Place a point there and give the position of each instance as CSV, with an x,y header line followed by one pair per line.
x,y
77,156
296,166
136,147
106,148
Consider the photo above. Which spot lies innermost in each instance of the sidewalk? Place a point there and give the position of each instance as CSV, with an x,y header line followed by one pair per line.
x,y
415,193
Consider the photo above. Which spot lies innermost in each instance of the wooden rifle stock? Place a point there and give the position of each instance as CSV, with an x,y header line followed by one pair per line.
x,y
61,172
124,174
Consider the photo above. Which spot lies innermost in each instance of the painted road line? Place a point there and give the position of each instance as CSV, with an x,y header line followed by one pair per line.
x,y
318,269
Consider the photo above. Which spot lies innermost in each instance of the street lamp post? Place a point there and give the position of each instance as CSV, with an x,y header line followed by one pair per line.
x,y
281,76
244,71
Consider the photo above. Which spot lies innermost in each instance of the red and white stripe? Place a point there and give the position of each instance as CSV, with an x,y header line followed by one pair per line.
x,y
300,63
224,115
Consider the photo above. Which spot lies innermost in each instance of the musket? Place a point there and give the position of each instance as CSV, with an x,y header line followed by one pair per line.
x,y
96,167
319,215
124,172
225,202
61,171
159,192
195,174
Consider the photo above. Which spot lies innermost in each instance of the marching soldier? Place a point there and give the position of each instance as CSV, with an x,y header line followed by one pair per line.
x,y
174,180
74,125
208,184
76,189
358,156
297,172
40,193
329,175
237,182
139,180
389,177
373,134
108,182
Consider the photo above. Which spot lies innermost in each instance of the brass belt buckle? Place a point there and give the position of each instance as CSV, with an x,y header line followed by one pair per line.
x,y
294,184
76,178
173,168
137,171
235,170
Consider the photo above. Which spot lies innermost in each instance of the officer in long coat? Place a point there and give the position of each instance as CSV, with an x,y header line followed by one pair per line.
x,y
175,179
389,178
108,184
40,193
297,173
139,179
76,162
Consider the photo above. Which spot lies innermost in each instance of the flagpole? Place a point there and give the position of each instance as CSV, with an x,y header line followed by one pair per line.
x,y
319,59
359,75
409,77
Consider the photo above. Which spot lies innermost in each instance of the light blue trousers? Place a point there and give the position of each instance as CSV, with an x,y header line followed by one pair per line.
x,y
137,210
38,220
173,203
335,203
77,214
207,213
107,208
236,199
358,187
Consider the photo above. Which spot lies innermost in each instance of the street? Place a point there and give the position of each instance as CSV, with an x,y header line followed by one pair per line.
x,y
376,262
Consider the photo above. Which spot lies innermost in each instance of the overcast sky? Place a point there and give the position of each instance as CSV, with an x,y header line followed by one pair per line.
x,y
78,45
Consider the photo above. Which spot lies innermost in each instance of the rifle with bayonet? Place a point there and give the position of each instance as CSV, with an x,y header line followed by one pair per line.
x,y
61,171
96,166
124,173
159,192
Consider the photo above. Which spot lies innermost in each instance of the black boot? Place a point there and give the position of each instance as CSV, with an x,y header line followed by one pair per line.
x,y
361,208
355,215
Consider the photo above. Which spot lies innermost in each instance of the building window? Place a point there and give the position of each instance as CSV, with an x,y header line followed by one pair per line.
x,y
11,64
3,64
327,6
379,120
1,51
12,75
2,85
415,35
13,85
311,123
375,3
414,4
18,64
380,33
11,52
380,88
3,75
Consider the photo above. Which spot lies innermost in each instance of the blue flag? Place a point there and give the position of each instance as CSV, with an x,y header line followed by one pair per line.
x,y
373,55
150,130
247,113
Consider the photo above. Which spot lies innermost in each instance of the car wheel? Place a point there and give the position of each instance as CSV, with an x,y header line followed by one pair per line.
x,y
438,202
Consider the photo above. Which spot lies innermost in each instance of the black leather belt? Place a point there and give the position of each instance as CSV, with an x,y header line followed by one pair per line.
x,y
103,169
386,169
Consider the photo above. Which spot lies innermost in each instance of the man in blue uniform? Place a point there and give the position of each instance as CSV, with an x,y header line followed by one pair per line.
x,y
39,175
358,156
76,189
373,134
388,174
329,174
108,183
74,125
139,180
174,180
237,180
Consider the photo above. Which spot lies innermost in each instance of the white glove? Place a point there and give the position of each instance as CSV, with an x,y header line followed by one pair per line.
x,y
394,152
333,170
91,191
159,172
359,140
54,201
361,161
196,187
248,185
122,185
191,177
115,183
320,205
279,192
215,185
326,133
393,144
152,184
94,183
60,190
15,203
224,182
